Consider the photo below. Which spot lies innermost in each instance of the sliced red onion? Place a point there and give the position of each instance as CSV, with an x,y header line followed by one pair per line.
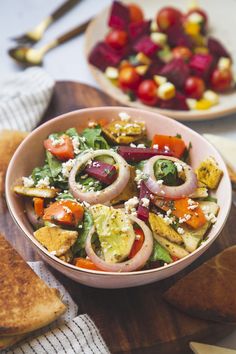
x,y
108,193
35,221
171,192
135,263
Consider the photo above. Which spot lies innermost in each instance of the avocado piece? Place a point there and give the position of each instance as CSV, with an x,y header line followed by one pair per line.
x,y
115,232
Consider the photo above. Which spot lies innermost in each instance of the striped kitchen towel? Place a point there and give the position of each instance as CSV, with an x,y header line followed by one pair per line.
x,y
68,334
24,98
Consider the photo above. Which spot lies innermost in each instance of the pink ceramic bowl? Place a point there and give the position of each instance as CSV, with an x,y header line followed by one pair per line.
x,y
31,153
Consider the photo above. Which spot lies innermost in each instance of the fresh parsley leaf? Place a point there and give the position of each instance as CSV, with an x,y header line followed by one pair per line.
x,y
167,171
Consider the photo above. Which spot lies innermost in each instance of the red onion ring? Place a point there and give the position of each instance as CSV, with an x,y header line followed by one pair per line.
x,y
35,221
171,192
107,193
134,263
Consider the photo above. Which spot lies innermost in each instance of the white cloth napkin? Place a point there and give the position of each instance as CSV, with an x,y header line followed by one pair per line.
x,y
24,98
68,334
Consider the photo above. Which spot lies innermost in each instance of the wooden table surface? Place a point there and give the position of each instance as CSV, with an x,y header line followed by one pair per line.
x,y
135,320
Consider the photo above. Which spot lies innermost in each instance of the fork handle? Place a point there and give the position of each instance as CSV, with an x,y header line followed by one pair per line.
x,y
72,33
61,10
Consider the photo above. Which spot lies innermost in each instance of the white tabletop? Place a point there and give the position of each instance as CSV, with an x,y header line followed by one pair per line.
x,y
68,62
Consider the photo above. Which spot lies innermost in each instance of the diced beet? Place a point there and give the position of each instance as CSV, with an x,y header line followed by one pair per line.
x,y
216,48
146,46
201,65
176,103
119,16
176,71
177,37
103,56
138,29
102,171
143,211
132,154
154,68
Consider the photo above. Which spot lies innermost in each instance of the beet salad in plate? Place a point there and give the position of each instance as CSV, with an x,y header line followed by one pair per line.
x,y
170,61
107,198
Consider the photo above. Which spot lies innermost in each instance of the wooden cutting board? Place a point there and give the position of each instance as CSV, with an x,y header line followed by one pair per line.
x,y
135,320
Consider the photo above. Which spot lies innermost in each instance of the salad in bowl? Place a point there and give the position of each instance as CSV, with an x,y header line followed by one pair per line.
x,y
116,196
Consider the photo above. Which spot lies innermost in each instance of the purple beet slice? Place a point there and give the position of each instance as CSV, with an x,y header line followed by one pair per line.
x,y
216,48
102,171
146,46
176,103
176,72
201,65
119,16
132,154
138,29
103,56
177,37
143,210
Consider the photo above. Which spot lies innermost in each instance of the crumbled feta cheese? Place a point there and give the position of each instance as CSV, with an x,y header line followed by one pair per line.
x,y
155,146
179,166
43,182
132,145
141,146
162,192
57,141
195,17
84,176
85,204
80,226
145,202
211,217
166,148
131,204
160,181
66,209
159,38
169,211
112,72
140,176
67,167
76,144
28,181
180,230
124,116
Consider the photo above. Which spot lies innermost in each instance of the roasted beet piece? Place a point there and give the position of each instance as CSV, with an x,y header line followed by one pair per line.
x,y
146,46
216,48
177,37
132,154
176,103
102,171
138,29
102,56
176,71
201,65
154,68
143,210
119,16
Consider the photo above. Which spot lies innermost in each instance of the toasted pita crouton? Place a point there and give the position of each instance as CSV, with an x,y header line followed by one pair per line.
x,y
161,228
174,249
123,132
209,173
9,141
57,241
36,192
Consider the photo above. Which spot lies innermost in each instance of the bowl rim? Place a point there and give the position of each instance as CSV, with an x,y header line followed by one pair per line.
x,y
20,224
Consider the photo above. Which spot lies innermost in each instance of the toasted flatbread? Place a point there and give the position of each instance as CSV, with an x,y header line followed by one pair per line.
x,y
9,141
209,291
26,302
8,341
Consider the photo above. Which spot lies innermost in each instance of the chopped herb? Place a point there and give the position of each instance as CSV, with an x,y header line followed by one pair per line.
x,y
179,136
167,171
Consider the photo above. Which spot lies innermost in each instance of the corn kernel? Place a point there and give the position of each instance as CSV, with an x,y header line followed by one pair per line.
x,y
191,102
154,26
141,69
111,73
192,28
159,38
224,63
159,80
203,104
201,50
211,96
166,91
143,59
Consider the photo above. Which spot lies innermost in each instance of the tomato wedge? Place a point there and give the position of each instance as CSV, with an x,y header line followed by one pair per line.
x,y
85,263
63,150
38,206
176,145
64,212
137,245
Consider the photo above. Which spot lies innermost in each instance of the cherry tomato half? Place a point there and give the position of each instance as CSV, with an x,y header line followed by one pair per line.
x,y
117,39
194,87
221,80
182,52
128,79
136,13
147,92
167,17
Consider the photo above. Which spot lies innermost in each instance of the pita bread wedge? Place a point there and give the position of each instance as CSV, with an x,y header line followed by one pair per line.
x,y
26,302
9,141
8,341
209,291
